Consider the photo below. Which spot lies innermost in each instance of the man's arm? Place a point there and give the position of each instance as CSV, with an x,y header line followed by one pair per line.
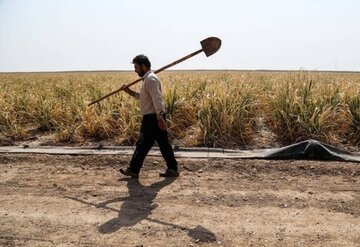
x,y
130,92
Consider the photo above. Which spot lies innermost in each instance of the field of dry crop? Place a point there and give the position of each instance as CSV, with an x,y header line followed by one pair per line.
x,y
232,109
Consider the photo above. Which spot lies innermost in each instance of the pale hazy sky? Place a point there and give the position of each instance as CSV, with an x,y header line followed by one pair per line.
x,y
57,35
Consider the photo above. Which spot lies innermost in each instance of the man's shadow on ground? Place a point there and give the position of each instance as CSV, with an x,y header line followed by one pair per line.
x,y
136,207
139,205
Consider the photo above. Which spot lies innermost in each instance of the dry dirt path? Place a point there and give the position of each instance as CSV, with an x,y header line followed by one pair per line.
x,y
49,200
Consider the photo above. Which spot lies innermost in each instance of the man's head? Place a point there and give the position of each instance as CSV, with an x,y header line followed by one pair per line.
x,y
141,64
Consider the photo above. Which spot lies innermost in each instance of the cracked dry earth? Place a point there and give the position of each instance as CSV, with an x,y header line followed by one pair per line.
x,y
52,200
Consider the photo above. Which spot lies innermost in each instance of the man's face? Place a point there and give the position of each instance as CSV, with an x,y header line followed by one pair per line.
x,y
140,69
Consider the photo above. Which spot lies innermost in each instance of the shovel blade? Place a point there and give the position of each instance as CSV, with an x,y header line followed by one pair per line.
x,y
210,45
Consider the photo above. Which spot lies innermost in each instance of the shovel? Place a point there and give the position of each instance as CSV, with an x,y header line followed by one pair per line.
x,y
209,47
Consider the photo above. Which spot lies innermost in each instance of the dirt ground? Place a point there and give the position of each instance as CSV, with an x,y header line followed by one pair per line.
x,y
49,200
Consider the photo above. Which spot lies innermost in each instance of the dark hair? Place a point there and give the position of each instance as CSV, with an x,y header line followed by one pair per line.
x,y
142,59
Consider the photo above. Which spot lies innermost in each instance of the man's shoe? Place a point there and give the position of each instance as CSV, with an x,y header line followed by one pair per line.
x,y
170,173
129,173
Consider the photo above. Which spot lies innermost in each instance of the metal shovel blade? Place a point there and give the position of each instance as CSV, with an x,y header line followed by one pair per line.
x,y
210,45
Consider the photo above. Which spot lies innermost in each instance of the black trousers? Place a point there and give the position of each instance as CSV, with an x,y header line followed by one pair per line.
x,y
149,133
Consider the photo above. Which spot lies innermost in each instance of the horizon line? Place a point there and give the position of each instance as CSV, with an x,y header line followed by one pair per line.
x,y
183,70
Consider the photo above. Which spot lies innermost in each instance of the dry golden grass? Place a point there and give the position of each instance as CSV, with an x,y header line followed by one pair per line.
x,y
216,109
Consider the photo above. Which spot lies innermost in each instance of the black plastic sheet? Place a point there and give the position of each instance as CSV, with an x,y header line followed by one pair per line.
x,y
310,149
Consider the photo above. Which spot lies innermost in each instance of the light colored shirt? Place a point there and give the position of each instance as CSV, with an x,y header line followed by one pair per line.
x,y
151,100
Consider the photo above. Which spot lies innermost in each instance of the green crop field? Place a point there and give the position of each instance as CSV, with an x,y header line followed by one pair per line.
x,y
230,109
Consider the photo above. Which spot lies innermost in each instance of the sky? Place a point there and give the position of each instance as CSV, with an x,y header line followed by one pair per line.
x,y
67,35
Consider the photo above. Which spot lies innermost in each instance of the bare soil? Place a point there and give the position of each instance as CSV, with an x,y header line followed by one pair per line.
x,y
49,200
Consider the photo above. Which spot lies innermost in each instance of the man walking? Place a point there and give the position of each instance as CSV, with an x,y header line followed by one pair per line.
x,y
153,125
